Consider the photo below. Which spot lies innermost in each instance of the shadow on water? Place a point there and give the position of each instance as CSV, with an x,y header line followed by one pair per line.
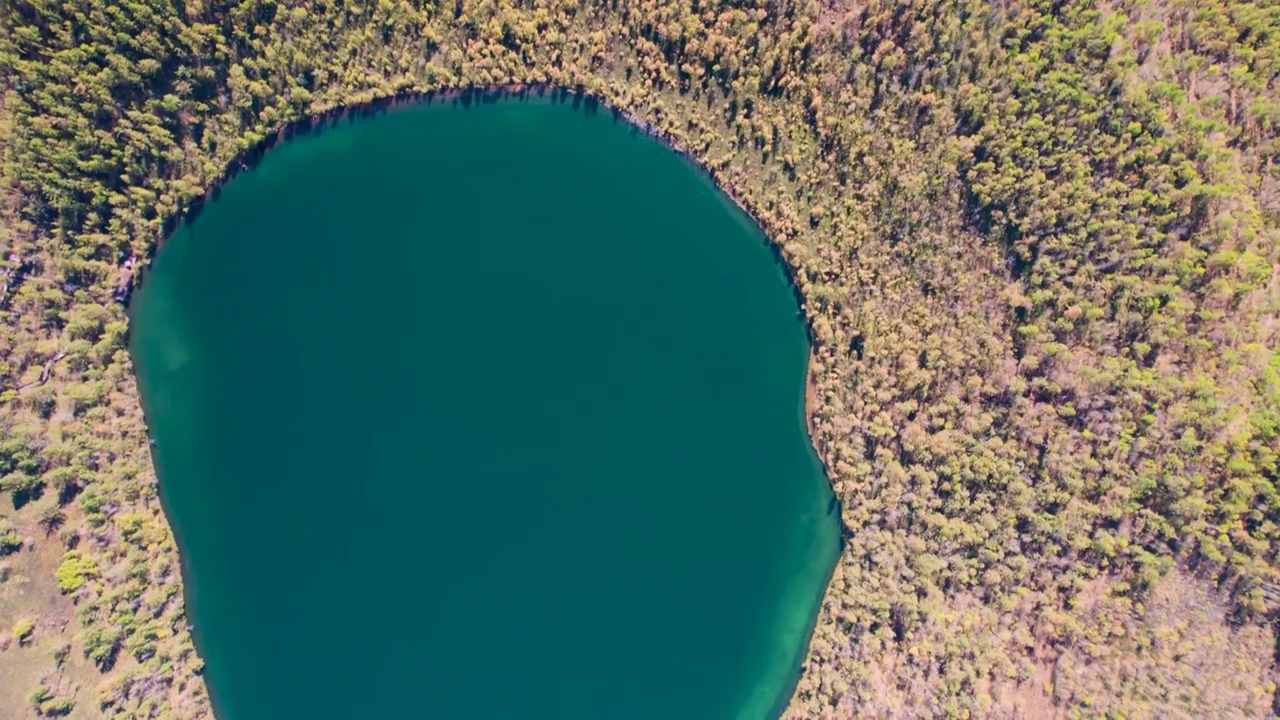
x,y
463,98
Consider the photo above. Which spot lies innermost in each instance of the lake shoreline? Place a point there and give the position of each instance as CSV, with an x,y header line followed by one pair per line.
x,y
246,160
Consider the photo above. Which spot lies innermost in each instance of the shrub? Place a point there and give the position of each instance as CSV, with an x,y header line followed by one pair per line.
x,y
74,571
23,630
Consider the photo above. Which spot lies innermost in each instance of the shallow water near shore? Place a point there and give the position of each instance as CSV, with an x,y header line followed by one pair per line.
x,y
488,413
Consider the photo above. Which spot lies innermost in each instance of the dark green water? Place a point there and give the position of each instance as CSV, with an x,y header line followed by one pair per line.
x,y
487,413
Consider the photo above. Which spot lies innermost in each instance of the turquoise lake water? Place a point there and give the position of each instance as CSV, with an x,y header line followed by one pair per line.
x,y
485,413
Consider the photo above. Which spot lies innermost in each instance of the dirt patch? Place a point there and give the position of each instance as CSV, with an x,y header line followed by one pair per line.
x,y
29,596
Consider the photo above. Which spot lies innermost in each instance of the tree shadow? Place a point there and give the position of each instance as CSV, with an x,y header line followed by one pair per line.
x,y
23,496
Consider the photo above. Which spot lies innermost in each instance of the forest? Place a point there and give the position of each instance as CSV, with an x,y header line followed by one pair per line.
x,y
1036,242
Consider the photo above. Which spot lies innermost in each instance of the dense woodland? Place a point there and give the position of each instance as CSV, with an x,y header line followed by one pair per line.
x,y
1037,243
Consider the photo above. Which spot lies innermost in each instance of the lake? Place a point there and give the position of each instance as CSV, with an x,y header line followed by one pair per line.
x,y
486,412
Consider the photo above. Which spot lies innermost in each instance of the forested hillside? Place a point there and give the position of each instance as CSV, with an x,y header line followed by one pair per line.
x,y
1037,243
